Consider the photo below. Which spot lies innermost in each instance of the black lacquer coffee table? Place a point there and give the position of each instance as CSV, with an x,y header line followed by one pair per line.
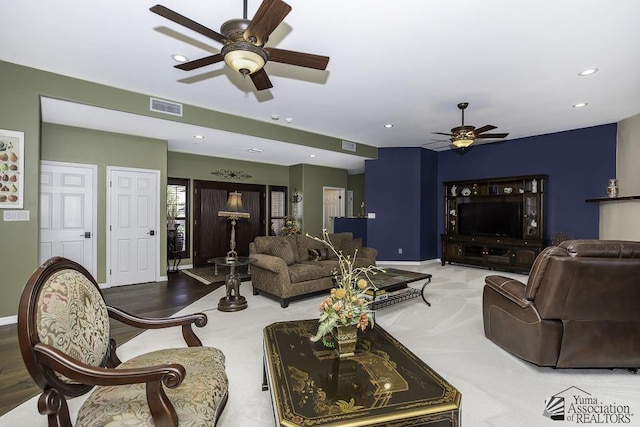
x,y
382,384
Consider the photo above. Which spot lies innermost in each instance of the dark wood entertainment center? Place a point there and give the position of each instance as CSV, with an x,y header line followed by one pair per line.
x,y
498,223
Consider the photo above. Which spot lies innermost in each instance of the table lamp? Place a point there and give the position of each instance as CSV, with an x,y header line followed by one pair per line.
x,y
234,212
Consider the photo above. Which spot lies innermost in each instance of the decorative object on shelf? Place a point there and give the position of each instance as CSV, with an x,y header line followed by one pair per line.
x,y
474,188
612,189
234,212
466,191
534,186
347,304
290,226
229,174
493,189
362,215
454,190
508,190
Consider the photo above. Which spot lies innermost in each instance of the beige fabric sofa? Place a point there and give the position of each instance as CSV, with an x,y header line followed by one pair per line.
x,y
293,267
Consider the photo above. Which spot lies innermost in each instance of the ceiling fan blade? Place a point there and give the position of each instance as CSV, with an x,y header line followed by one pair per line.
x,y
186,22
261,79
485,128
202,62
269,15
442,133
492,135
300,59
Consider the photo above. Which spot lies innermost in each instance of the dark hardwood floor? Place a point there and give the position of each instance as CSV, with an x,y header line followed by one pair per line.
x,y
156,299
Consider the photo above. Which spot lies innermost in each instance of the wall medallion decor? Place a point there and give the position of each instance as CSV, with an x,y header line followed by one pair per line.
x,y
229,174
11,169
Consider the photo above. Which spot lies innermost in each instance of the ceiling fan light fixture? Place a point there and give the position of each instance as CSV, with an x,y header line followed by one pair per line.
x,y
462,142
244,57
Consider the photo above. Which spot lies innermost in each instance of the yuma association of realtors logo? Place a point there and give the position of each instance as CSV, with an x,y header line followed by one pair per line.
x,y
578,406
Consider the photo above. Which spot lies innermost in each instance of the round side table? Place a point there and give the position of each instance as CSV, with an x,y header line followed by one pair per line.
x,y
233,301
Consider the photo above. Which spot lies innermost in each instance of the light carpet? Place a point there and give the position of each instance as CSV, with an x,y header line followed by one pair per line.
x,y
498,389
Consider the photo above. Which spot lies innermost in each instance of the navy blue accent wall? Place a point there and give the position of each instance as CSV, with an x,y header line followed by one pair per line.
x,y
401,189
429,193
578,163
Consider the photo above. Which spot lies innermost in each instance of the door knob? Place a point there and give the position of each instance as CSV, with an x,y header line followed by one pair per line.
x,y
152,233
86,235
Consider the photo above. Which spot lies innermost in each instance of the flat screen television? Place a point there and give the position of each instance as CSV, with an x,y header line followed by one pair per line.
x,y
500,219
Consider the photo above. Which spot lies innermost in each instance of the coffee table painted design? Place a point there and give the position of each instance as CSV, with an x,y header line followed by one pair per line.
x,y
382,384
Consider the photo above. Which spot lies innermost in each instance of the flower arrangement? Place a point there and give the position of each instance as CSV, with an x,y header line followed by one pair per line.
x,y
346,305
290,226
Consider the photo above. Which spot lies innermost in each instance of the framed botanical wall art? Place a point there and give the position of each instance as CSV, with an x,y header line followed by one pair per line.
x,y
11,169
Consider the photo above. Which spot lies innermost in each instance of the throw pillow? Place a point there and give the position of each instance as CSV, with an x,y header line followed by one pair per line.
x,y
349,246
282,249
318,254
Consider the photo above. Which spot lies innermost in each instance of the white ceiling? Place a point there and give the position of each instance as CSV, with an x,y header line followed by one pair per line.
x,y
402,62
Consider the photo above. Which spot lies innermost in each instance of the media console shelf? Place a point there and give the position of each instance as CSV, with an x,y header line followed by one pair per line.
x,y
498,223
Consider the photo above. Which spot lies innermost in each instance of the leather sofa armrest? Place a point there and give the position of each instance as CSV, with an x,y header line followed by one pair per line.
x,y
511,289
269,262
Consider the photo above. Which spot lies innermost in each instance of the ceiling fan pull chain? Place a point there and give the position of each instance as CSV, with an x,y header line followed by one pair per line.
x,y
244,14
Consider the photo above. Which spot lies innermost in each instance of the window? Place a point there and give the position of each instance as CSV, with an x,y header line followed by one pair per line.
x,y
178,218
277,209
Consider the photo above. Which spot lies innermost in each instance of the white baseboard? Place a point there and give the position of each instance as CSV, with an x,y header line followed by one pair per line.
x,y
423,262
9,320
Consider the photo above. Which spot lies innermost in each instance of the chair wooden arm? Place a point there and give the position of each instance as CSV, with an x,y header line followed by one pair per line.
x,y
190,338
171,375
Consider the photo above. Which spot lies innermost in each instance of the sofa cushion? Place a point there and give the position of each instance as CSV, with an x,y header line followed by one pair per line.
x,y
349,247
282,249
307,271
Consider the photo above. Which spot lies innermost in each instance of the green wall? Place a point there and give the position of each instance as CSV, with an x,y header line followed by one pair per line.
x,y
314,178
356,184
20,111
77,145
21,89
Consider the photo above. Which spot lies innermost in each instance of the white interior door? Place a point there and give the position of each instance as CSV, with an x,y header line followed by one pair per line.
x,y
333,206
68,213
133,225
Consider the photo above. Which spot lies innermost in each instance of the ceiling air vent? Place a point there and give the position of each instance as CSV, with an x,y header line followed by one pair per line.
x,y
166,107
349,146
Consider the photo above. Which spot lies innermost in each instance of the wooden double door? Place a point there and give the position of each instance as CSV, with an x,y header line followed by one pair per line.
x,y
212,233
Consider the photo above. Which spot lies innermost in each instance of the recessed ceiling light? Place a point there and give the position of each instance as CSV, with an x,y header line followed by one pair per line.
x,y
275,117
588,72
313,156
255,150
388,125
198,136
179,58
580,104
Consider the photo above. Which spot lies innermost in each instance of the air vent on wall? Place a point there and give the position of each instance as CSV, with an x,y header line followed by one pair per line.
x,y
349,146
166,107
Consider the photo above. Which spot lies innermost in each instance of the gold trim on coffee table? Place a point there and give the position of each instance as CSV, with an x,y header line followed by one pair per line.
x,y
383,382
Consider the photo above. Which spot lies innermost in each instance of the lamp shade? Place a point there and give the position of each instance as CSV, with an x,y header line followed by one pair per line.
x,y
243,57
234,202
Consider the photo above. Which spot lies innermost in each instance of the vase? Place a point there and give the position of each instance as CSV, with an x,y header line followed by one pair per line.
x,y
345,338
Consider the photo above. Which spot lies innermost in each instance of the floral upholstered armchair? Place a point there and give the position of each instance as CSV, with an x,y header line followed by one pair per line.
x,y
64,335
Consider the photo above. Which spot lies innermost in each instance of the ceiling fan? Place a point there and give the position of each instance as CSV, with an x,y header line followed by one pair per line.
x,y
463,136
244,41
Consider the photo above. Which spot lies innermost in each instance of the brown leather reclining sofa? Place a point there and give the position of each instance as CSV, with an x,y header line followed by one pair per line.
x,y
580,307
